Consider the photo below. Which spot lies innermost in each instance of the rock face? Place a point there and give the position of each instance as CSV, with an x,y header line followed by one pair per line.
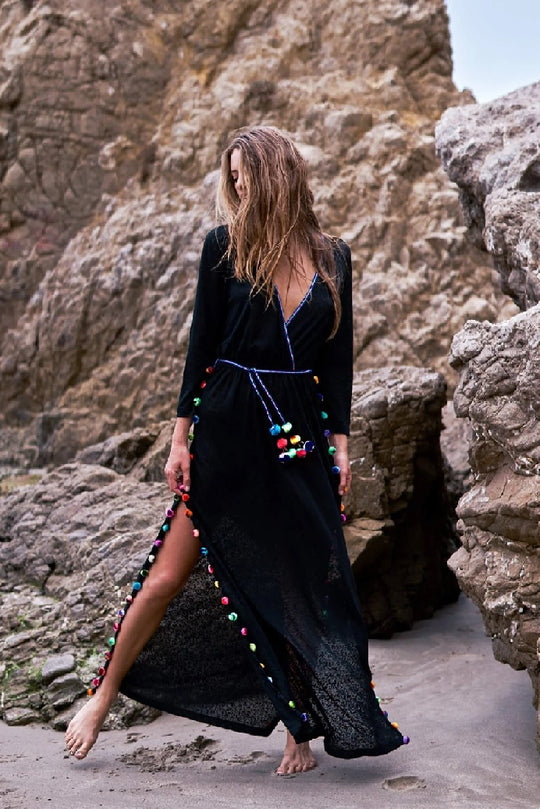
x,y
69,547
112,119
401,527
492,152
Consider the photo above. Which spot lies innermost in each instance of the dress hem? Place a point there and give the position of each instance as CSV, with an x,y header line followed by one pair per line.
x,y
380,750
203,718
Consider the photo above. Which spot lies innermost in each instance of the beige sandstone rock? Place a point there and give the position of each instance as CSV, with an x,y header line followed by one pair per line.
x,y
112,118
110,131
400,530
491,151
497,168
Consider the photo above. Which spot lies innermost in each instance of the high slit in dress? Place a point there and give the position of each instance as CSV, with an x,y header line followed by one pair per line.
x,y
268,626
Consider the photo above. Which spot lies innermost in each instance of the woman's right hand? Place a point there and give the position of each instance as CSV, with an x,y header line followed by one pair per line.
x,y
177,468
179,460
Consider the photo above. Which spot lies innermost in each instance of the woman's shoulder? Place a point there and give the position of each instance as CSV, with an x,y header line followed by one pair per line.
x,y
217,239
336,244
215,251
341,253
342,249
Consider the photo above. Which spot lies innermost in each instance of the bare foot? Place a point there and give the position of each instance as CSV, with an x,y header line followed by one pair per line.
x,y
296,758
84,728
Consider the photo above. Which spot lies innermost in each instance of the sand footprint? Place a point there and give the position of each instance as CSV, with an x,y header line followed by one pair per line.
x,y
404,783
248,759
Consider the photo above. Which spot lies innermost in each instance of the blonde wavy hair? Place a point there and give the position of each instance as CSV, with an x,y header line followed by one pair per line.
x,y
275,218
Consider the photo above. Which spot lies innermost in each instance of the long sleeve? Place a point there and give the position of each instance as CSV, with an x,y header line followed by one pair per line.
x,y
335,368
208,318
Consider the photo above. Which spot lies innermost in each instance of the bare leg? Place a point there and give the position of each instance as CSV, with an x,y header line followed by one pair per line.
x,y
296,758
166,578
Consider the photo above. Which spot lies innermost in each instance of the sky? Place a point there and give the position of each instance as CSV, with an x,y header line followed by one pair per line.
x,y
495,44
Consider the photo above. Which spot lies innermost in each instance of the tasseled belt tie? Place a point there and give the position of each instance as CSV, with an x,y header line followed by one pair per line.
x,y
289,446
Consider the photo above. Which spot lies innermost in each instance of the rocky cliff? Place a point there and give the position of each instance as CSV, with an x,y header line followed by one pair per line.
x,y
491,151
112,118
111,122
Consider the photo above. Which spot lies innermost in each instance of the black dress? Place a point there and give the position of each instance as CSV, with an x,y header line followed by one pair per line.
x,y
268,626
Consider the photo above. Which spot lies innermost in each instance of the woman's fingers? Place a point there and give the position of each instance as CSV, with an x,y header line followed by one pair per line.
x,y
341,460
177,469
344,480
172,476
185,478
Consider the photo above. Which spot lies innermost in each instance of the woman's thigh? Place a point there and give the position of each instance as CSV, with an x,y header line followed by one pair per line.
x,y
175,560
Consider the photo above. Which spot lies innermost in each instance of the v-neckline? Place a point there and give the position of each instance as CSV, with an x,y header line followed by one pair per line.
x,y
295,311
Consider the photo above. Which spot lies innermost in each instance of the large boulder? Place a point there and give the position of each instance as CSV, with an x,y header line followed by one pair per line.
x,y
491,151
499,563
401,523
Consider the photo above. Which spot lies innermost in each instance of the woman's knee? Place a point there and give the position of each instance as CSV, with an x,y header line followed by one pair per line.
x,y
163,585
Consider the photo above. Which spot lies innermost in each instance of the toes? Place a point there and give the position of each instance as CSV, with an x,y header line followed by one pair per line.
x,y
288,769
296,764
83,751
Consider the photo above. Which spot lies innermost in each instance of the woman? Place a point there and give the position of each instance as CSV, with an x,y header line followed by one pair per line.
x,y
245,610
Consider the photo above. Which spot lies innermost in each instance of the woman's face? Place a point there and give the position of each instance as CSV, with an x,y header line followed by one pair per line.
x,y
237,174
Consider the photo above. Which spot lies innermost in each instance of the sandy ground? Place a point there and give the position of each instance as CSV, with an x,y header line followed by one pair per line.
x,y
470,719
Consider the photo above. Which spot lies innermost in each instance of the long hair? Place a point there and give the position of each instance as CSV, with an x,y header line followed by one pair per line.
x,y
275,218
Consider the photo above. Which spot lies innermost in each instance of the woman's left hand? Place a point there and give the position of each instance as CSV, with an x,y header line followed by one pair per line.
x,y
341,459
